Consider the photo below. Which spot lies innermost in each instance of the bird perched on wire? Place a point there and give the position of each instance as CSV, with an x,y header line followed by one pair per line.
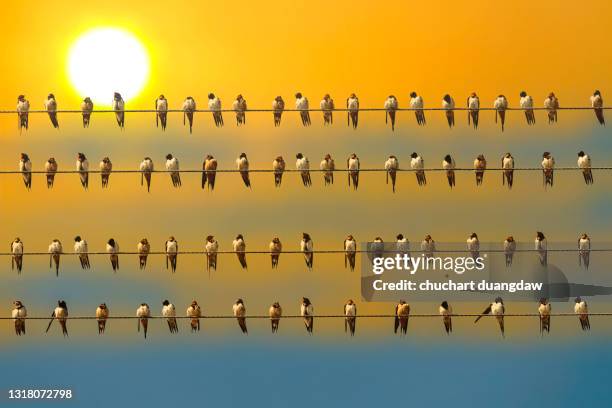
x,y
275,312
106,167
112,249
143,313
416,104
551,104
473,105
214,105
584,162
82,166
402,313
25,167
169,312
353,166
302,164
276,247
23,111
172,166
278,165
584,251
239,247
209,172
189,108
61,315
307,313
240,314
86,110
161,108
391,167
391,106
55,251
352,105
496,309
171,249
278,106
597,105
19,314
51,108
507,164
328,166
446,312
350,251
212,246
143,249
242,163
526,103
418,165
146,170
327,106
448,164
240,107
544,309
350,319
101,316
402,245
509,250
307,248
548,166
17,255
50,170
302,105
81,249
480,165
428,246
500,105
473,245
194,312
582,310
448,104
118,106
541,246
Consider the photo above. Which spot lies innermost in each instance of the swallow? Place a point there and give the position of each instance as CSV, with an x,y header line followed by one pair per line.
x,y
275,312
582,310
402,245
118,106
448,104
240,107
541,247
448,164
307,313
209,172
352,163
509,250
417,164
306,246
240,315
473,105
86,110
497,309
240,249
597,104
23,112
146,170
25,167
350,252
500,105
548,166
212,246
544,309
507,164
143,313
172,166
61,315
169,312
551,104
161,111
242,163
391,106
402,313
171,249
428,246
276,247
526,103
214,105
584,162
377,248
143,252
106,167
584,251
101,316
303,166
391,167
328,166
17,255
112,249
82,250
327,106
50,169
189,108
301,104
480,165
55,251
446,312
278,165
51,108
352,106
19,313
82,166
416,104
350,313
278,106
194,313
473,245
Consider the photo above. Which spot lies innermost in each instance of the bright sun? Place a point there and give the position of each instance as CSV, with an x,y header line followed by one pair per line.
x,y
107,60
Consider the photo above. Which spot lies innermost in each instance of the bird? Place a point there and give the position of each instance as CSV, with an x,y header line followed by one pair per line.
x,y
17,255
275,312
548,166
240,314
51,108
597,104
106,167
584,250
82,166
161,109
391,167
86,110
544,309
582,310
143,313
23,111
350,252
276,247
416,104
417,164
307,313
240,107
507,164
303,166
352,163
171,249
169,312
526,103
50,169
146,170
239,248
143,248
500,105
391,106
60,313
301,104
541,247
172,166
214,105
19,314
189,108
497,309
55,251
327,106
402,245
509,249
473,105
278,165
448,164
194,312
352,106
446,312
242,163
328,166
473,245
278,106
118,106
210,172
101,316
551,104
112,248
584,162
25,167
212,246
350,313
428,246
377,248
81,249
480,165
448,104
306,246
402,313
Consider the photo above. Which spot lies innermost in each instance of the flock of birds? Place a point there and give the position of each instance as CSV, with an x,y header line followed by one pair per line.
x,y
376,247
326,106
327,167
275,312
